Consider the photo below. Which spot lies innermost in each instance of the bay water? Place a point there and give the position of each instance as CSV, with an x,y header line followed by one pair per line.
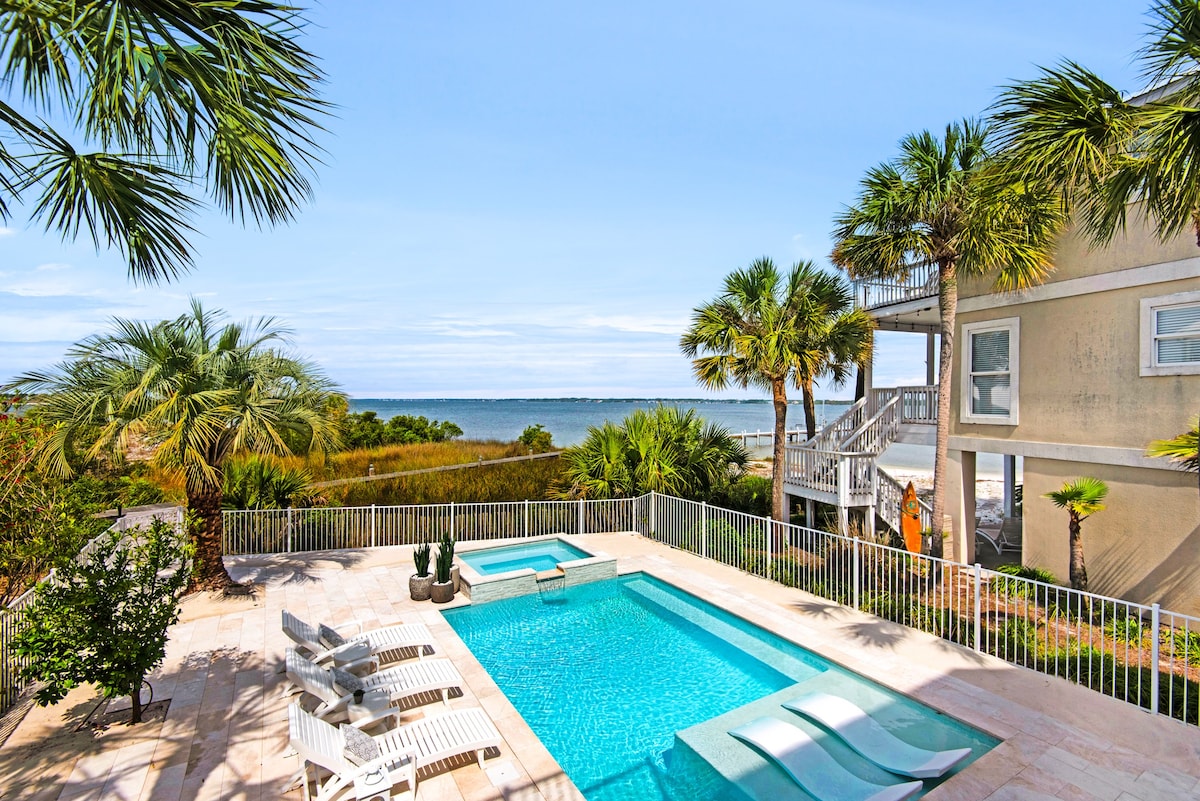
x,y
568,419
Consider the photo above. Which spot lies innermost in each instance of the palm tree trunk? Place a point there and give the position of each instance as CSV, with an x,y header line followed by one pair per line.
x,y
810,407
778,449
778,454
207,533
948,303
1079,579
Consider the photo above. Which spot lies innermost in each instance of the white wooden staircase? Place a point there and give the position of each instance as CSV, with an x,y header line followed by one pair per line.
x,y
839,466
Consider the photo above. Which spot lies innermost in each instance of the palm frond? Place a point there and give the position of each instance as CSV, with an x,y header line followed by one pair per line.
x,y
1183,449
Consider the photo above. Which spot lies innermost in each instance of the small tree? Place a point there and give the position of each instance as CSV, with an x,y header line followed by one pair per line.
x,y
103,617
1082,498
536,438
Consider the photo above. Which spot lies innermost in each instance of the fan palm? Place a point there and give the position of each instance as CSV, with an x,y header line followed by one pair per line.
x,y
768,329
178,100
1075,132
204,391
1081,498
1184,449
940,203
664,449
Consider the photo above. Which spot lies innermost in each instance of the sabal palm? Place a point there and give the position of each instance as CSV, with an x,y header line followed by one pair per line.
x,y
1183,449
1081,498
202,390
941,203
768,329
1070,129
179,100
665,449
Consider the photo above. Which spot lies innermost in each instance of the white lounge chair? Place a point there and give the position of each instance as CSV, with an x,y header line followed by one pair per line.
x,y
421,743
864,734
335,690
324,643
812,767
322,747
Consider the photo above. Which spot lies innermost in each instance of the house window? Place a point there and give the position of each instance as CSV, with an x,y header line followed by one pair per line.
x,y
990,371
1171,334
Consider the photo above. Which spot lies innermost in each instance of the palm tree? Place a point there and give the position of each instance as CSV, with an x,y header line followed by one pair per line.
x,y
769,329
664,449
1184,449
179,100
940,203
1073,131
204,391
1081,498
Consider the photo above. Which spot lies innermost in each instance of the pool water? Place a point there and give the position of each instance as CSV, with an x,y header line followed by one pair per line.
x,y
608,674
540,556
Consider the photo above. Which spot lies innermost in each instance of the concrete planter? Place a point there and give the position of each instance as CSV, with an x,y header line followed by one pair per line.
x,y
442,592
420,587
454,577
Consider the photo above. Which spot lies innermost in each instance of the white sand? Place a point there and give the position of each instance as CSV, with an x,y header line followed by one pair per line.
x,y
989,493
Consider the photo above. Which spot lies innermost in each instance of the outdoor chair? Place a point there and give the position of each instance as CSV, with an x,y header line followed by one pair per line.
x,y
322,747
334,688
324,644
418,744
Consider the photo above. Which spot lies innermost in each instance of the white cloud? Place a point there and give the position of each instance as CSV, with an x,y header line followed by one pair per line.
x,y
5,231
641,325
51,267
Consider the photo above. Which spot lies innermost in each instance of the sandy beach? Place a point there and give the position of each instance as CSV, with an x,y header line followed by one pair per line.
x,y
989,493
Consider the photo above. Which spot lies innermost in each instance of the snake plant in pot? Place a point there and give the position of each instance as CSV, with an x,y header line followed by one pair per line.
x,y
443,589
420,583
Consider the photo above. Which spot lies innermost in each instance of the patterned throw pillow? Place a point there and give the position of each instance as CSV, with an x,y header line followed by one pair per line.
x,y
361,748
346,680
329,637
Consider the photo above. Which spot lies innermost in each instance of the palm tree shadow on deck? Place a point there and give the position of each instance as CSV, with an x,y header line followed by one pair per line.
x,y
304,567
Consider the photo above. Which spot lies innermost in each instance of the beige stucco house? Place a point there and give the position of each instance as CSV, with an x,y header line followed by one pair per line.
x,y
1074,377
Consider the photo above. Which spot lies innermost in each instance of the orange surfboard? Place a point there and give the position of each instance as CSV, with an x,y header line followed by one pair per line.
x,y
910,519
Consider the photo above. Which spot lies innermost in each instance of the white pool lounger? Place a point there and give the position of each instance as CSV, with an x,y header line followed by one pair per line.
x,y
812,767
867,737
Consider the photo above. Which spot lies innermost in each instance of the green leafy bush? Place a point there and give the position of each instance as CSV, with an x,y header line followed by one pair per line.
x,y
104,617
366,430
536,438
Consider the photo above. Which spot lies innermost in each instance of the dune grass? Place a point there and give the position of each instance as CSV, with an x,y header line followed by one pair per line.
x,y
516,481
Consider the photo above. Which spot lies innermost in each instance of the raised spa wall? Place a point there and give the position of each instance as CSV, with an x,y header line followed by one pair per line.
x,y
481,589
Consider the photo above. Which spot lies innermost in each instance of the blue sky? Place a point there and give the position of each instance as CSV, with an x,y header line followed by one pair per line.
x,y
528,199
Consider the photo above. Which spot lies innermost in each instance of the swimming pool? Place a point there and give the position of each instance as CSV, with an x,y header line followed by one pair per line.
x,y
628,682
539,556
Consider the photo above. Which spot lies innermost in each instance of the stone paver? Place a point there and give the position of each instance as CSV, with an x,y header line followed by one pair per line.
x,y
225,732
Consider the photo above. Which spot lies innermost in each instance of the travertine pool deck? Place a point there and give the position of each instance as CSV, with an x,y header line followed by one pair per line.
x,y
225,735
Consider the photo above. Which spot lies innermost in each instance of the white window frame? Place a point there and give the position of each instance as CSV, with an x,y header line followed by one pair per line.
x,y
1149,353
1013,326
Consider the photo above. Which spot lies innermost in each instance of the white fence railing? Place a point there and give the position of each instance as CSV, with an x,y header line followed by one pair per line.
x,y
12,618
1137,653
325,528
871,293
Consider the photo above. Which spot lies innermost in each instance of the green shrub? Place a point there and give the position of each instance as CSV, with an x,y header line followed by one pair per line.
x,y
1183,645
104,618
1020,589
536,438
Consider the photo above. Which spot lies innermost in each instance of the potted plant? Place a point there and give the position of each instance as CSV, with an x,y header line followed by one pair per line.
x,y
421,582
447,543
442,589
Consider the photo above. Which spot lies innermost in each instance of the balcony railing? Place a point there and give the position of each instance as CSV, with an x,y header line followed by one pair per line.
x,y
872,293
